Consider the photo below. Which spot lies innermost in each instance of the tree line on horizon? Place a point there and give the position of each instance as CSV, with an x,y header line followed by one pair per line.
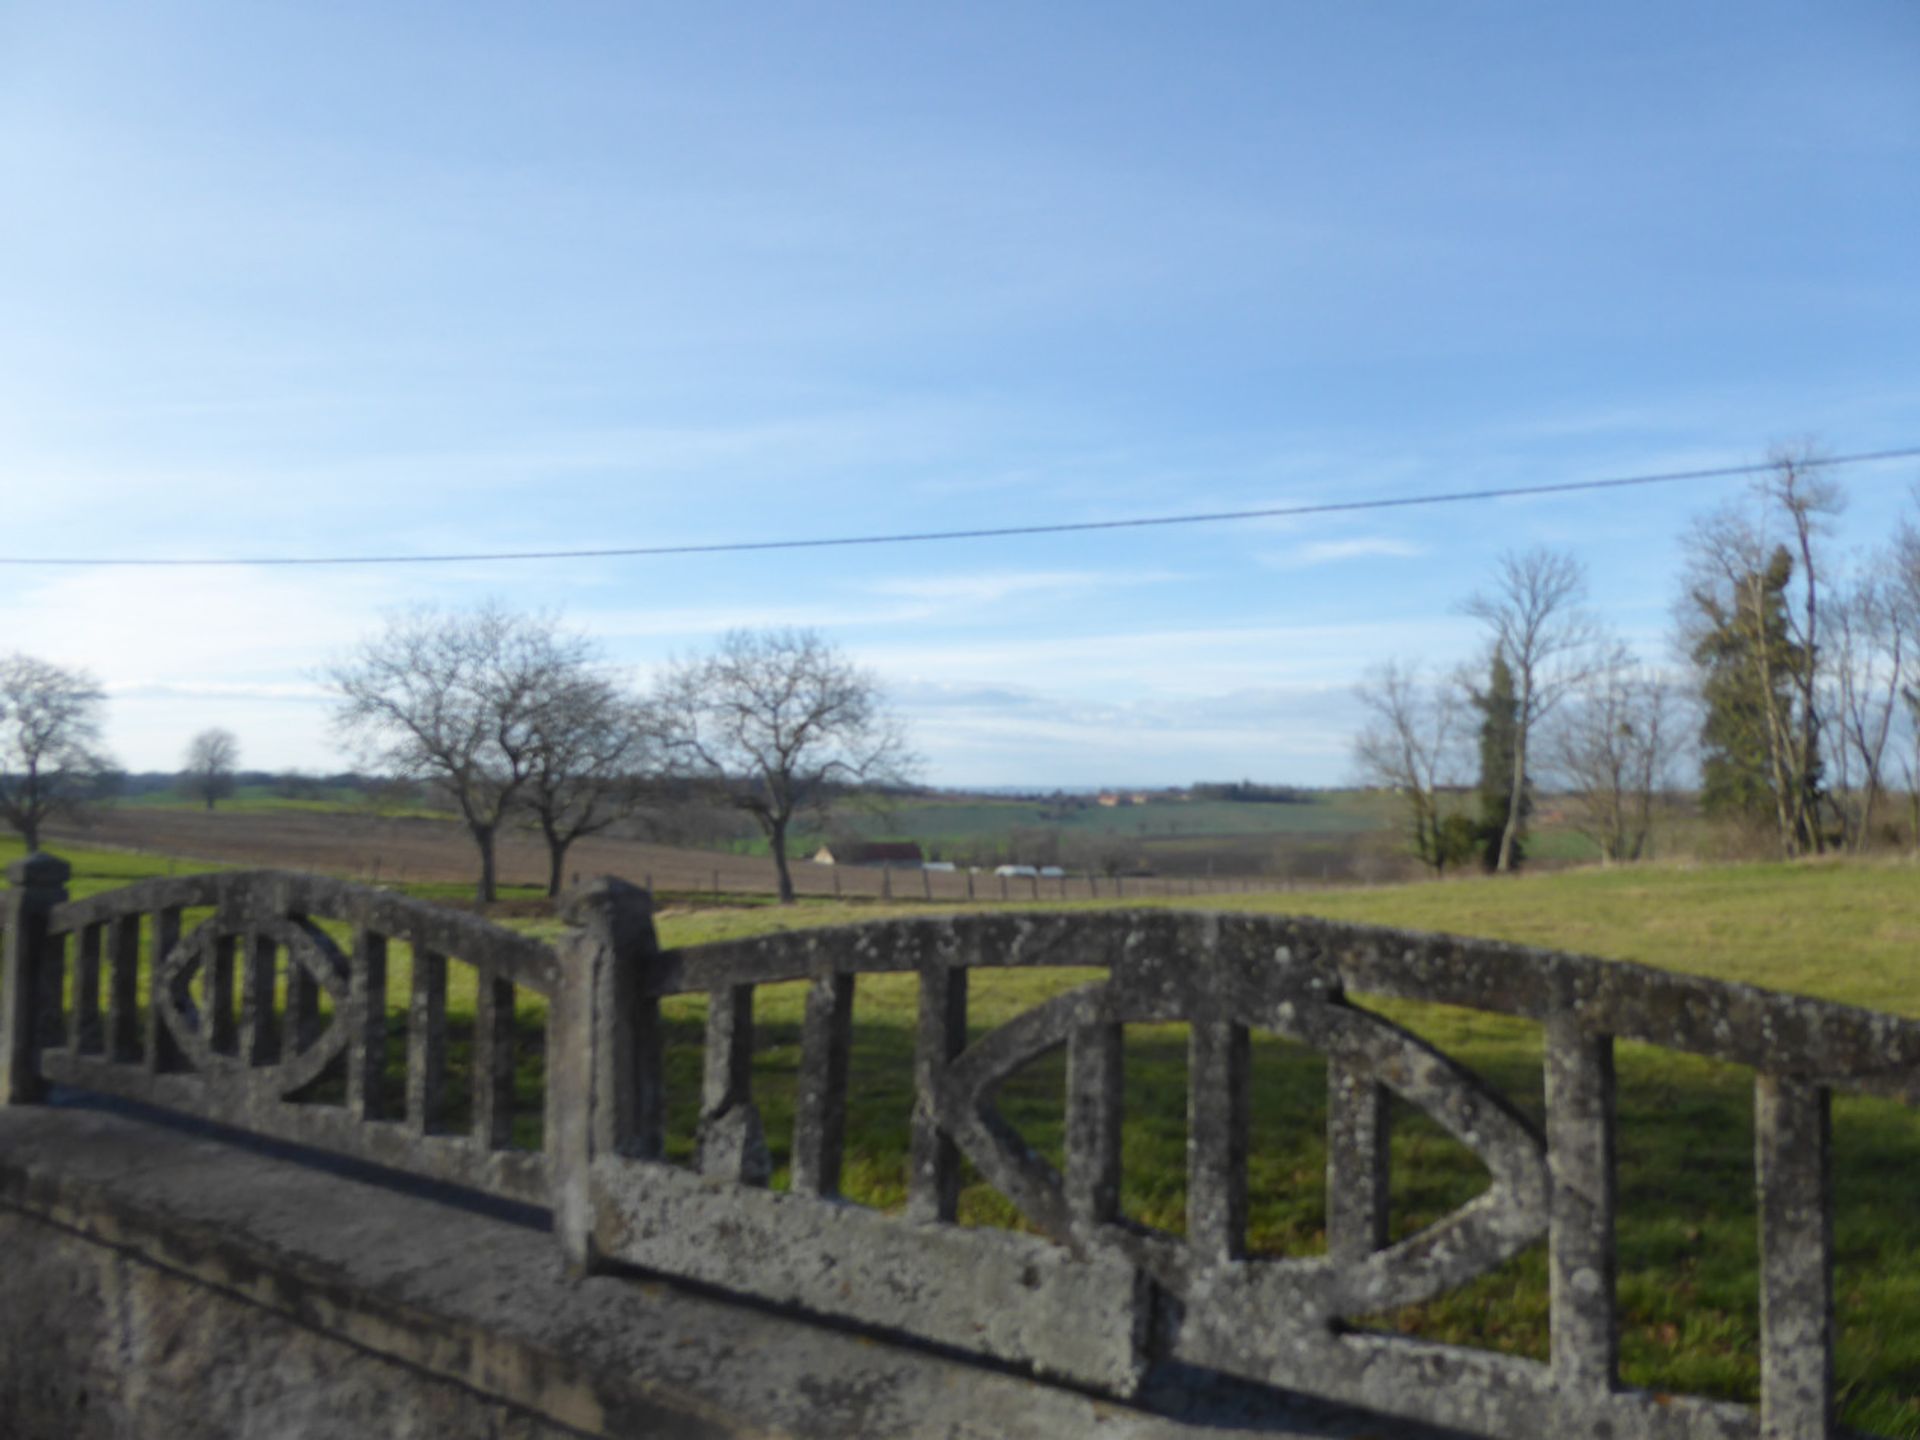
x,y
1796,692
514,719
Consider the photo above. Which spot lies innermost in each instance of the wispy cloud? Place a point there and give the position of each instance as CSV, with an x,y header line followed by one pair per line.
x,y
1333,552
985,588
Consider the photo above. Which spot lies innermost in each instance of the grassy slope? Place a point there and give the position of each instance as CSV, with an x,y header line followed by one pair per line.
x,y
1843,930
1846,932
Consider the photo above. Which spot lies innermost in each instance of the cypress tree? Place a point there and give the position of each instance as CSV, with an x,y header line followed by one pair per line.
x,y
1499,708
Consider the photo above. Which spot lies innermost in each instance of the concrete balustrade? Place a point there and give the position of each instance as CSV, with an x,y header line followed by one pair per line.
x,y
1087,1296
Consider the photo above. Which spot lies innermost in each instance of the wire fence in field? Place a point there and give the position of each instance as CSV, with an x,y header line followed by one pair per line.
x,y
737,875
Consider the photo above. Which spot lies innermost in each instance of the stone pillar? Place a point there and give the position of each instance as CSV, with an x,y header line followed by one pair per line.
x,y
604,1073
1793,1155
1581,1258
39,883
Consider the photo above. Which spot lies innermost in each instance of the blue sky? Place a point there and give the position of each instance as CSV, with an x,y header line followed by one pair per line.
x,y
308,279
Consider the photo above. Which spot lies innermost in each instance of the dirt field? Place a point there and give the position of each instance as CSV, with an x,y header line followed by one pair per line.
x,y
375,848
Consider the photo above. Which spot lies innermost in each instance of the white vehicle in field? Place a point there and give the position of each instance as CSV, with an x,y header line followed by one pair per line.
x,y
1052,872
1016,871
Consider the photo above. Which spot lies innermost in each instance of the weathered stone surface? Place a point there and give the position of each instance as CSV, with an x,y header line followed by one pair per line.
x,y
1011,1297
101,1346
1358,1161
198,1290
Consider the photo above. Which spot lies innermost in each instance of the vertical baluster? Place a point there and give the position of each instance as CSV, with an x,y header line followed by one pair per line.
x,y
1793,1160
123,990
303,1006
731,1144
225,1039
1359,1160
933,1184
52,1018
1095,1108
642,1120
493,1062
1217,1140
1580,1160
259,1038
84,1032
164,1055
820,1106
426,1040
367,1026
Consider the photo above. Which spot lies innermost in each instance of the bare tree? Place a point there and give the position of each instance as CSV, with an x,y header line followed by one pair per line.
x,y
779,723
455,698
1805,497
1903,598
49,728
210,760
1613,746
1868,652
594,746
1408,745
1533,611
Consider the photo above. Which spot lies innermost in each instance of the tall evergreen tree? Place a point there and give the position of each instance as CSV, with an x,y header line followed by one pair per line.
x,y
1747,660
1499,707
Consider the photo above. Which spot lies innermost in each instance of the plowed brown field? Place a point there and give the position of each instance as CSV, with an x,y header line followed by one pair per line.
x,y
393,850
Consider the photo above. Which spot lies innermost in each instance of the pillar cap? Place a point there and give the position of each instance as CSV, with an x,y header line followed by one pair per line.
x,y
39,871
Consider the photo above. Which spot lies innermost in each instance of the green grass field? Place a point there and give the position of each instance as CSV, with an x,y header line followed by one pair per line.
x,y
1844,931
267,799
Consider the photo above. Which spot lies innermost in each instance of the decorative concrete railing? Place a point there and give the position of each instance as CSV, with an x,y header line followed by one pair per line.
x,y
1090,1296
282,1007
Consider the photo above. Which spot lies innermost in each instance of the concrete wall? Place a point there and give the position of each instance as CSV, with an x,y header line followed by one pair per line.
x,y
162,1281
98,1344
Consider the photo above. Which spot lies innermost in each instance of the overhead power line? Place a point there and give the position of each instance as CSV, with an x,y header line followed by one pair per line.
x,y
1332,507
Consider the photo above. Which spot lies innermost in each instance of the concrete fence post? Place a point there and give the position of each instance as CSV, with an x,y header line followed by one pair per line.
x,y
39,883
604,1079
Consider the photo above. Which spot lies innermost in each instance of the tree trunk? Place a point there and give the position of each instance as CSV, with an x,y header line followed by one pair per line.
x,y
209,804
556,864
483,839
30,831
1511,833
777,842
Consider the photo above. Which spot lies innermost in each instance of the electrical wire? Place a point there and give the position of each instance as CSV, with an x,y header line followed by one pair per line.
x,y
989,533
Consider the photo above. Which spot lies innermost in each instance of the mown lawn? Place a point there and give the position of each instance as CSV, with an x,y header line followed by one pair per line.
x,y
1848,932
